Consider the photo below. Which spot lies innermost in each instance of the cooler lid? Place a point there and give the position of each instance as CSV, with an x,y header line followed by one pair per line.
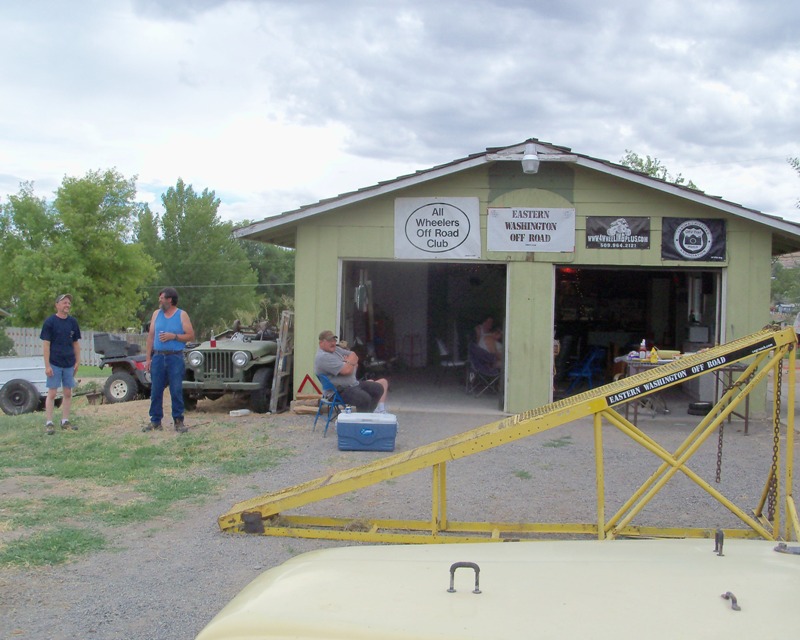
x,y
370,418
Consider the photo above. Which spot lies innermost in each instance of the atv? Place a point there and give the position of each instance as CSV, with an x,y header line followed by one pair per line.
x,y
128,379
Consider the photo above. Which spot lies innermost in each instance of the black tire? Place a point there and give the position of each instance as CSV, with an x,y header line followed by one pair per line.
x,y
259,399
120,386
189,402
18,396
699,408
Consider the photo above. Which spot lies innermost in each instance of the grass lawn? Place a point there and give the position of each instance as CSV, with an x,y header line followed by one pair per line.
x,y
85,371
62,494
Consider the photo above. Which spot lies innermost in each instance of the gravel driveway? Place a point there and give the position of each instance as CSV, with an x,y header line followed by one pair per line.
x,y
167,579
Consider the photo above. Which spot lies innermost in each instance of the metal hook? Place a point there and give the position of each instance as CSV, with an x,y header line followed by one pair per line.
x,y
468,565
729,596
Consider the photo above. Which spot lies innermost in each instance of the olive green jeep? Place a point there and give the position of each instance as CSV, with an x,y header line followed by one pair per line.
x,y
240,361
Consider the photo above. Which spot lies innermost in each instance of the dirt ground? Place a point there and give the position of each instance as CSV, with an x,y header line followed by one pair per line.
x,y
127,415
165,579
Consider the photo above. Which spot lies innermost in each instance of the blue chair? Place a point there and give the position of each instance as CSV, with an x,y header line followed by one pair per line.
x,y
592,365
330,399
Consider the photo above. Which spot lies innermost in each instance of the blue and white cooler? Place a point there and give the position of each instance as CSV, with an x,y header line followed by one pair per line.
x,y
366,431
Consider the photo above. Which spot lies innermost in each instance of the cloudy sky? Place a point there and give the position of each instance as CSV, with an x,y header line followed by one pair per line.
x,y
275,104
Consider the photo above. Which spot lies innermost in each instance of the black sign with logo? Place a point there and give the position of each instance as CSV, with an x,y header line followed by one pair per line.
x,y
617,233
691,239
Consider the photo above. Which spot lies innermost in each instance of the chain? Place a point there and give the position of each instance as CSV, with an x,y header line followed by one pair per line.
x,y
719,453
776,432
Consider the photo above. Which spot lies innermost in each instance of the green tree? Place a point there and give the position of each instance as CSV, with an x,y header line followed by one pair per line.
x,y
274,267
785,284
197,255
6,344
653,168
27,230
80,244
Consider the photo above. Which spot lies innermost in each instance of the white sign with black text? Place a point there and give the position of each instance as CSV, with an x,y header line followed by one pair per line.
x,y
437,228
518,229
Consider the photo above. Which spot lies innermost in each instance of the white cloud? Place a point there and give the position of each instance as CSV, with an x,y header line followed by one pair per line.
x,y
274,105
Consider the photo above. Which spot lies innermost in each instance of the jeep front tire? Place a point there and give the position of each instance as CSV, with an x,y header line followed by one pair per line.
x,y
259,398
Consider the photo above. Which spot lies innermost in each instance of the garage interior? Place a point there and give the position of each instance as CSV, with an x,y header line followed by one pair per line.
x,y
613,310
393,314
397,311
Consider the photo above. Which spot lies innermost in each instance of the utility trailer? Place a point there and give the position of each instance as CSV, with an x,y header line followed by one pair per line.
x,y
22,384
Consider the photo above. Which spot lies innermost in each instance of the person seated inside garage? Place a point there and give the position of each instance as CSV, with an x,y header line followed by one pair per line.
x,y
492,342
341,365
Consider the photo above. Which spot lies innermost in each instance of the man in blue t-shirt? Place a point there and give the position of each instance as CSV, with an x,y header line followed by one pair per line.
x,y
62,355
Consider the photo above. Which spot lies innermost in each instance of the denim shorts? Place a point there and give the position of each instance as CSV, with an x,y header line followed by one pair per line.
x,y
62,377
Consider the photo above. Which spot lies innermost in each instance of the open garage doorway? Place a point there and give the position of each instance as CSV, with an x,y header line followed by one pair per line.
x,y
396,314
613,310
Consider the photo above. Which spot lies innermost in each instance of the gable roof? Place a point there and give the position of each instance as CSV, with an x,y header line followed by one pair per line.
x,y
280,229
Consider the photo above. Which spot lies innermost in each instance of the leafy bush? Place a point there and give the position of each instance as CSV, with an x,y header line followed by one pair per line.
x,y
6,344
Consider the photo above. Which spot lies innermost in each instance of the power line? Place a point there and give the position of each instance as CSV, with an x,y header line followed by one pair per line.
x,y
216,286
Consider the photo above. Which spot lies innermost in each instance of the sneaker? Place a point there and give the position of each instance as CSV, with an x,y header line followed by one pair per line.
x,y
179,426
66,425
49,428
153,426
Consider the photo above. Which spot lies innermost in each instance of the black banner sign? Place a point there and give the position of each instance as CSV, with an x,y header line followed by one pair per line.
x,y
617,233
688,239
694,370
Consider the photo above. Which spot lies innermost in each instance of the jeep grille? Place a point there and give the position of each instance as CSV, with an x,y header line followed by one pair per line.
x,y
218,365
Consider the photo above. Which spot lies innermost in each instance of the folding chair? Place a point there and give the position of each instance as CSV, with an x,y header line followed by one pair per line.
x,y
446,361
330,399
592,365
483,374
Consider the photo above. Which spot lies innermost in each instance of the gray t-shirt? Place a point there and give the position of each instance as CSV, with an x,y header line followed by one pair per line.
x,y
330,364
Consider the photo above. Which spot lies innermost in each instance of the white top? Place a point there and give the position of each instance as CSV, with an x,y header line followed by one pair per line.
x,y
620,589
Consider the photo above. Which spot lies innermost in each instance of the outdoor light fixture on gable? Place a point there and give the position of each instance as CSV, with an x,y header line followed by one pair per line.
x,y
530,159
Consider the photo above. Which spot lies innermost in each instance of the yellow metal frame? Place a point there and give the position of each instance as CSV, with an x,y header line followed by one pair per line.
x,y
767,351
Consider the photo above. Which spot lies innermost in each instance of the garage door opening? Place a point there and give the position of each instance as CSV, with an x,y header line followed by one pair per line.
x,y
397,314
613,310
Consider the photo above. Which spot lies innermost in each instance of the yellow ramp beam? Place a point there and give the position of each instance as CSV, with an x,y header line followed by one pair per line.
x,y
597,402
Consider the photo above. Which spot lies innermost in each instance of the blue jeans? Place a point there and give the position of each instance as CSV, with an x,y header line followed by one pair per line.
x,y
166,370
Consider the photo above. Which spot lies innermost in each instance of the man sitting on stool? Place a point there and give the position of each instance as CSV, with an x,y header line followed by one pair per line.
x,y
340,365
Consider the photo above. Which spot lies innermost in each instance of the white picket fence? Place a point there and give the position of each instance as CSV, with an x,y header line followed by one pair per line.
x,y
27,342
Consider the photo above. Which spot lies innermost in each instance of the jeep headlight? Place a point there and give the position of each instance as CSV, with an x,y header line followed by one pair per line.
x,y
241,358
195,359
